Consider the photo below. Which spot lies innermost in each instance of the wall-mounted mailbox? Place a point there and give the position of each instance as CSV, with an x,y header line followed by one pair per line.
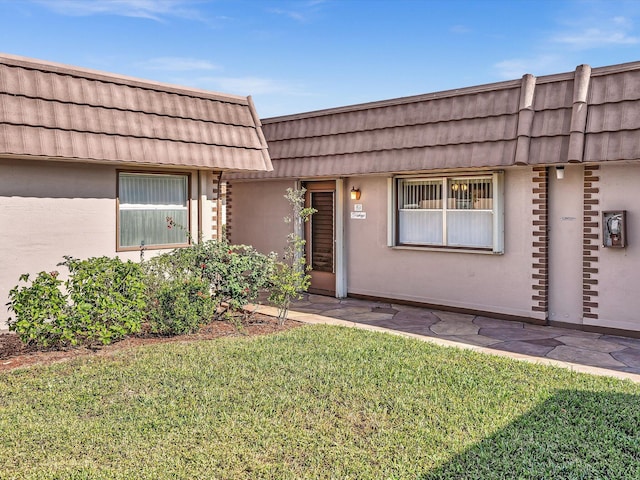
x,y
614,229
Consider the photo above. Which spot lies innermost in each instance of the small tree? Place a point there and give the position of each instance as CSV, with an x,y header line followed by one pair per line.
x,y
291,278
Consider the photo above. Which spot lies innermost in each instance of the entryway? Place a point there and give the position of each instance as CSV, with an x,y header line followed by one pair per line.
x,y
320,235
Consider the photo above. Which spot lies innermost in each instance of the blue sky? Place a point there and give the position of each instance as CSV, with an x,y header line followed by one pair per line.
x,y
295,56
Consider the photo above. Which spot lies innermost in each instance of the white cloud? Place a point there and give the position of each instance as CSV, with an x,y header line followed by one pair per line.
x,y
294,15
605,33
243,85
151,9
540,65
623,21
596,37
577,35
240,85
461,29
303,12
178,64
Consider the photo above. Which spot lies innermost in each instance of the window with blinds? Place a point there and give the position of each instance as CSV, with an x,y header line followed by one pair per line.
x,y
458,212
145,201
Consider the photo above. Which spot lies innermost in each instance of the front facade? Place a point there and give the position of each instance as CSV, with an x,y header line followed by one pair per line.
x,y
93,164
515,199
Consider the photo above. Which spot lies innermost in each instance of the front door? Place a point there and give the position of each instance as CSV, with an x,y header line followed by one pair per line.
x,y
565,231
320,237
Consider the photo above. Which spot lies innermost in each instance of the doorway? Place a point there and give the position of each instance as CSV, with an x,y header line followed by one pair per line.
x,y
320,236
565,232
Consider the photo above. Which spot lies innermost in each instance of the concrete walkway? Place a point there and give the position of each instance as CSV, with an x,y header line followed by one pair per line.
x,y
580,351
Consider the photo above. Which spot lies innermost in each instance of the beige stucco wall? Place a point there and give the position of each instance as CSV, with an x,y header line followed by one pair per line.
x,y
495,283
619,269
51,209
487,282
257,214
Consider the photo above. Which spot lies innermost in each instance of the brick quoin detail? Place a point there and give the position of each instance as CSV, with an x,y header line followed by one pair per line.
x,y
590,241
229,223
215,195
540,247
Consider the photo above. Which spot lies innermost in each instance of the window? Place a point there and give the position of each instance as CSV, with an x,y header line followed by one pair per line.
x,y
454,212
145,200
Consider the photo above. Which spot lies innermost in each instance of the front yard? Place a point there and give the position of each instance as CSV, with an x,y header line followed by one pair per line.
x,y
314,402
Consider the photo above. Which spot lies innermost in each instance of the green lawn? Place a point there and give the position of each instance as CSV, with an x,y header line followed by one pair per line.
x,y
314,402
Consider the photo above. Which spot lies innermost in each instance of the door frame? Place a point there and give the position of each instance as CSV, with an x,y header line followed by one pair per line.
x,y
339,233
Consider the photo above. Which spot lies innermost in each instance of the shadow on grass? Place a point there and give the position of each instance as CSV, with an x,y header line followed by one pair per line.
x,y
574,434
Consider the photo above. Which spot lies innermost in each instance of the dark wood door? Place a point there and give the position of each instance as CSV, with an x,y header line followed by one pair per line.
x,y
320,237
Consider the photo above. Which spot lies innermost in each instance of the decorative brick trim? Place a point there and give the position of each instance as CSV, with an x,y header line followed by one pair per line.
x,y
228,206
215,196
540,246
590,241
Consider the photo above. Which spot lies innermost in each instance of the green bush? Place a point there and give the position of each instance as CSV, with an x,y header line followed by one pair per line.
x,y
181,306
102,301
237,273
107,295
189,286
41,311
170,282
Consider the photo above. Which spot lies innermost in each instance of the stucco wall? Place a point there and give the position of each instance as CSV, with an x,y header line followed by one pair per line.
x,y
257,211
619,269
51,209
496,283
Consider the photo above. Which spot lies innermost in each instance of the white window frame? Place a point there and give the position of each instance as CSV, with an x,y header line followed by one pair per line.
x,y
497,179
121,206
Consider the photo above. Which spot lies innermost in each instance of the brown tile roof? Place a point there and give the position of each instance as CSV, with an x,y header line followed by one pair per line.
x,y
590,115
54,111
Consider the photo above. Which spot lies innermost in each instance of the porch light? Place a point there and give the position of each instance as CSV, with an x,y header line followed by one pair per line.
x,y
355,193
560,172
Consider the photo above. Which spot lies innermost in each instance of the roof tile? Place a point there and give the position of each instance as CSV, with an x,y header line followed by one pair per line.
x,y
54,111
473,127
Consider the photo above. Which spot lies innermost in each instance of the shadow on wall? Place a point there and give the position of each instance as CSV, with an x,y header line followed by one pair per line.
x,y
574,434
52,179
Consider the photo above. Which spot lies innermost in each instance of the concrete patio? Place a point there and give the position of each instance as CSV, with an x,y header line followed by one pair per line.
x,y
580,351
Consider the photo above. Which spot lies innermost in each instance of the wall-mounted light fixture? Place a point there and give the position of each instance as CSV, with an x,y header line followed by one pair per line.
x,y
560,172
355,193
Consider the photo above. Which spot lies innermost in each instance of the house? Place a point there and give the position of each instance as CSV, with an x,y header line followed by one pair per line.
x,y
92,164
515,199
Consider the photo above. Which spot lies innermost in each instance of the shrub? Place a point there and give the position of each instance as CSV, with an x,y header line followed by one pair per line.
x,y
237,273
171,285
41,311
208,280
101,301
107,295
181,306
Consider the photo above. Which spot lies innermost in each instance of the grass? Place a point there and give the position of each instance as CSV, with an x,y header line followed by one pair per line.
x,y
314,402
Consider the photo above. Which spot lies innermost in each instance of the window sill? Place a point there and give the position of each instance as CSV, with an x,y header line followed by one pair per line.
x,y
445,249
153,247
